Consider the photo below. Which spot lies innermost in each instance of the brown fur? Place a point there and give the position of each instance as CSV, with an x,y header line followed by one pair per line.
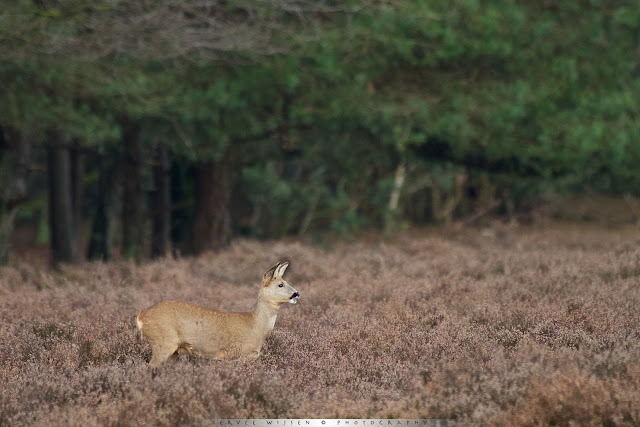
x,y
175,327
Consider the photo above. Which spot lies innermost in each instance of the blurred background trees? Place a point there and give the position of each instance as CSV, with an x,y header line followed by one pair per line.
x,y
152,126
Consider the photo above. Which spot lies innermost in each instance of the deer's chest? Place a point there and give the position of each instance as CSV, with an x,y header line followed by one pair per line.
x,y
271,322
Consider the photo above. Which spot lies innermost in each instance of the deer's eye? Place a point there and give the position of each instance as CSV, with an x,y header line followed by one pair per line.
x,y
281,285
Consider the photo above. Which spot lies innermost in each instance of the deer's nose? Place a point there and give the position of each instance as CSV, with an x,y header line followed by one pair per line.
x,y
295,295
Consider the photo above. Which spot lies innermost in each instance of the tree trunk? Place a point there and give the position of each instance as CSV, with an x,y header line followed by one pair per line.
x,y
391,216
100,242
61,206
160,237
14,160
77,191
133,195
212,225
7,219
182,192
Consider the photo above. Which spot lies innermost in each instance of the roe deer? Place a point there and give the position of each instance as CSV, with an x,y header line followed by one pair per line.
x,y
174,327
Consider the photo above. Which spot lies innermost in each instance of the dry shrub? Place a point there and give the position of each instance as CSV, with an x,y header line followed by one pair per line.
x,y
578,399
524,326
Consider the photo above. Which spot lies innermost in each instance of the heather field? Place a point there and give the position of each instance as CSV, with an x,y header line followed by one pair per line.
x,y
500,326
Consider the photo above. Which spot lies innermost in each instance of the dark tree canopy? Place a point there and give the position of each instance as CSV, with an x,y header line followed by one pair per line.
x,y
282,117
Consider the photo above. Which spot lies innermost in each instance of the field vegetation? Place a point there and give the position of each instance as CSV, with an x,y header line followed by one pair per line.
x,y
500,326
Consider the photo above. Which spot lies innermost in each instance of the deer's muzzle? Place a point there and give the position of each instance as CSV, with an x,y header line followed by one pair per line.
x,y
292,298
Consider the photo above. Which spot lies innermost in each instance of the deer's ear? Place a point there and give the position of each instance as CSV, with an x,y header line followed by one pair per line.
x,y
274,272
280,268
268,276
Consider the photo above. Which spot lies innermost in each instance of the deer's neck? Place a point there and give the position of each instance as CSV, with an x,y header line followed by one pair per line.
x,y
265,316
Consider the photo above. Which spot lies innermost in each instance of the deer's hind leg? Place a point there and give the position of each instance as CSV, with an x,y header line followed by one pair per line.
x,y
162,352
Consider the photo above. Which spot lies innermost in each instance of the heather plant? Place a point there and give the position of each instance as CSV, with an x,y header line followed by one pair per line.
x,y
522,327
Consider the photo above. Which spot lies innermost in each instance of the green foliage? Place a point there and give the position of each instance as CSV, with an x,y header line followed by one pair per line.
x,y
319,107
